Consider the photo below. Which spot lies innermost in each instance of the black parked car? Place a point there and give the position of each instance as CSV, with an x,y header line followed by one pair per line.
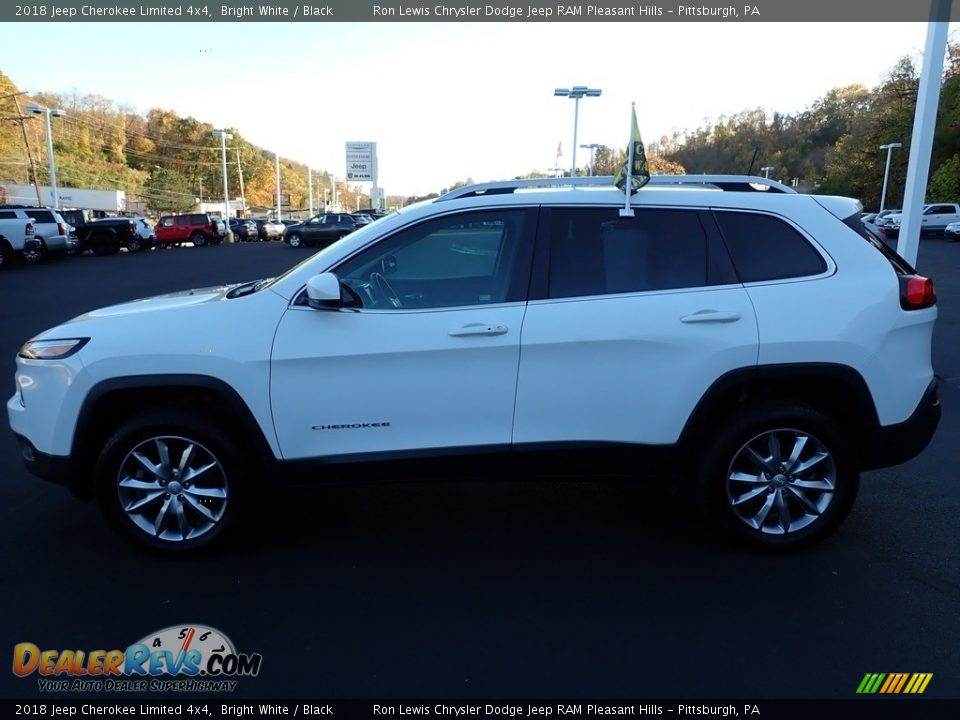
x,y
244,230
324,229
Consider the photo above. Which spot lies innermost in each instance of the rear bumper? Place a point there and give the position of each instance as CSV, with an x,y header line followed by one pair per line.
x,y
895,444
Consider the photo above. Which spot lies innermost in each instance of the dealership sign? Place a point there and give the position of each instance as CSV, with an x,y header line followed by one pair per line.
x,y
361,161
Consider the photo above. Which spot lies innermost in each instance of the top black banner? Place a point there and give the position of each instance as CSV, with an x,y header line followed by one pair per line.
x,y
871,11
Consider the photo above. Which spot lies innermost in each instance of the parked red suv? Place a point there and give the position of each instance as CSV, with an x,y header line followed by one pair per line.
x,y
197,228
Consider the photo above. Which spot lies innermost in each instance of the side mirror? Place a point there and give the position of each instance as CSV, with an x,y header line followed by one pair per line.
x,y
323,292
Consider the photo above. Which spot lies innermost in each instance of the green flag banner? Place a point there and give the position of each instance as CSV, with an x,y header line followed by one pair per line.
x,y
638,173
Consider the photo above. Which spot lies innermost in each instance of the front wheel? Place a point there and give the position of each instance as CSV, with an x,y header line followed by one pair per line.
x,y
295,241
105,245
133,245
778,477
170,480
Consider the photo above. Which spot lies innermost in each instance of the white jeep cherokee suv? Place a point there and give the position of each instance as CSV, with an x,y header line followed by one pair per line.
x,y
754,343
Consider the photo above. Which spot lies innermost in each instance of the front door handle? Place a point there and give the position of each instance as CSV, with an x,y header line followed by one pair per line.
x,y
478,329
711,316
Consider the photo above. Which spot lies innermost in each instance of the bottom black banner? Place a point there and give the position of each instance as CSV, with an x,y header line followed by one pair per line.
x,y
872,708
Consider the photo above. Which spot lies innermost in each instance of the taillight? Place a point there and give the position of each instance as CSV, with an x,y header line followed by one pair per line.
x,y
916,292
28,230
61,229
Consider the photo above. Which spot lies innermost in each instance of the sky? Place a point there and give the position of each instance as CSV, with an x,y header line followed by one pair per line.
x,y
448,102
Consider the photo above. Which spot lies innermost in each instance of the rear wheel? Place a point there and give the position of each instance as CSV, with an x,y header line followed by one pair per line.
x,y
170,479
778,477
198,239
133,245
36,253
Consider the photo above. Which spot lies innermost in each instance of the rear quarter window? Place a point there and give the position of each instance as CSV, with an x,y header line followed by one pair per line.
x,y
900,266
42,216
764,247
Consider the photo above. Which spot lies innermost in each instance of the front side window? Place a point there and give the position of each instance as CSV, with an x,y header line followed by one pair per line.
x,y
165,222
458,260
593,251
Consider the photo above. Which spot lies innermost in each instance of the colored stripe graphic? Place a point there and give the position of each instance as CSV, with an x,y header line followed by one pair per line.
x,y
894,683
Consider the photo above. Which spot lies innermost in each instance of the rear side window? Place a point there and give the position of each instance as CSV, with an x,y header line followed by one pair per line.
x,y
766,248
593,251
42,216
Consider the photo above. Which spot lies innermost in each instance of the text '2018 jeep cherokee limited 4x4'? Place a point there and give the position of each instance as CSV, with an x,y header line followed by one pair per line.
x,y
750,341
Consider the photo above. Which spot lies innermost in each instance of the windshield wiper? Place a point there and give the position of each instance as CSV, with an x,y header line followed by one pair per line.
x,y
245,289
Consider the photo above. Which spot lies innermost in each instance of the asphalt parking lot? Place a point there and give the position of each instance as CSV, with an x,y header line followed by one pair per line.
x,y
522,589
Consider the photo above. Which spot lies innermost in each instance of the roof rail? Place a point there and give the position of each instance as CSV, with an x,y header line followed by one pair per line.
x,y
729,183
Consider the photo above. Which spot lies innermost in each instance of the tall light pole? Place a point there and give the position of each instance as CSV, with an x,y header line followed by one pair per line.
x,y
766,170
47,112
592,148
224,136
886,173
575,93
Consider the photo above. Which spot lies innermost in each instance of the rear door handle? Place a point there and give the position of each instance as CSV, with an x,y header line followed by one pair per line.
x,y
711,316
478,329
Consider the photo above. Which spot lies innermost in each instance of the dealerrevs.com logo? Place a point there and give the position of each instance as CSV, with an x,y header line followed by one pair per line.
x,y
180,658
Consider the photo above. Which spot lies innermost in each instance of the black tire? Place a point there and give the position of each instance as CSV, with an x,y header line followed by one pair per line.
x,y
198,239
104,245
4,255
772,505
36,256
134,245
175,427
295,241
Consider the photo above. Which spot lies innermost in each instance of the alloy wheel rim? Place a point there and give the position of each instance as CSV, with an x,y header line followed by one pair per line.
x,y
781,481
173,488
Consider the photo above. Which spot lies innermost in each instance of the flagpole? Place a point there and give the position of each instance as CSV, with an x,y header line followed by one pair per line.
x,y
628,188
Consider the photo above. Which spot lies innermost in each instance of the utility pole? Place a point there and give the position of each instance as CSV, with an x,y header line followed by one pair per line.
x,y
20,118
310,189
243,198
278,185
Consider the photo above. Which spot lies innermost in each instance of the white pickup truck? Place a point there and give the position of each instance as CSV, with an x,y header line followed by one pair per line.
x,y
17,238
934,219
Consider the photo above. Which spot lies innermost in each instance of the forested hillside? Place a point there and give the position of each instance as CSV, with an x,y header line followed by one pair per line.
x,y
834,145
161,157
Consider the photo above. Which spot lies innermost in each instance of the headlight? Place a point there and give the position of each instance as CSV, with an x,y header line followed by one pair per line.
x,y
52,349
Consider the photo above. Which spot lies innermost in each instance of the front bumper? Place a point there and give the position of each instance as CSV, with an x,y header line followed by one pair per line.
x,y
53,468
